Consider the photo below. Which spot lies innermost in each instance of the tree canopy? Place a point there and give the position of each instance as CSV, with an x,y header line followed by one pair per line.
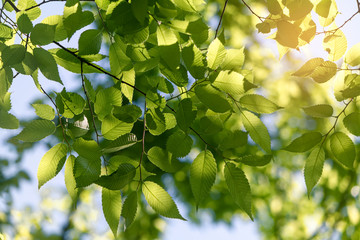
x,y
181,98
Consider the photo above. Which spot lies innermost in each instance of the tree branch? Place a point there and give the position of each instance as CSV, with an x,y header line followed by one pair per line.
x,y
221,17
260,18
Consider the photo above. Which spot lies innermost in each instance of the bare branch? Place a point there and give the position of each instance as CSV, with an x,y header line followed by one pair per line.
x,y
221,17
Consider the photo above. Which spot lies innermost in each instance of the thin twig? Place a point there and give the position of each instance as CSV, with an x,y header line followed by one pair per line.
x,y
99,68
333,31
143,144
58,114
260,18
221,17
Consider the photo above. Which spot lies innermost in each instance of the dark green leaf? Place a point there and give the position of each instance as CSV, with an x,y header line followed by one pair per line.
x,y
212,98
42,34
47,64
90,42
36,130
179,144
118,179
129,208
255,161
163,159
185,115
13,54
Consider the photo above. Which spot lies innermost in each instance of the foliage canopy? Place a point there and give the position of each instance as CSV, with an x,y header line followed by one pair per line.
x,y
186,104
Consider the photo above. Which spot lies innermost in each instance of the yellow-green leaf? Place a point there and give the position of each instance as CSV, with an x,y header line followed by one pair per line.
x,y
258,104
352,57
313,168
111,205
351,122
160,200
343,149
51,163
216,54
335,45
305,142
319,111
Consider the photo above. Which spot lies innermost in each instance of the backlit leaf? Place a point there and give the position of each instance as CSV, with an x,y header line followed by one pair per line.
x,y
234,59
163,159
258,104
352,57
274,7
47,64
118,179
239,187
111,205
160,200
179,144
86,171
129,208
308,67
324,72
202,175
216,54
319,111
118,144
230,82
51,163
255,161
335,45
257,130
351,122
287,34
313,168
44,111
90,42
343,149
305,142
8,121
212,98
36,130
185,115
112,128
70,179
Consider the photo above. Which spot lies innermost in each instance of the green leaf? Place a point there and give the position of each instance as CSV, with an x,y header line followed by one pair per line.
x,y
88,149
163,159
105,100
189,5
70,104
257,130
33,13
165,9
51,163
57,21
24,23
112,128
212,98
118,179
154,100
258,104
156,122
8,121
165,36
319,111
27,66
128,113
86,170
274,7
313,168
179,144
234,59
90,42
13,54
139,9
111,205
352,57
76,21
44,111
127,89
47,64
118,144
305,142
129,208
118,59
239,187
232,139
36,130
160,200
230,82
170,56
216,54
351,122
71,63
343,149
255,161
70,178
5,31
202,175
185,115
194,61
42,34
178,77
6,78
